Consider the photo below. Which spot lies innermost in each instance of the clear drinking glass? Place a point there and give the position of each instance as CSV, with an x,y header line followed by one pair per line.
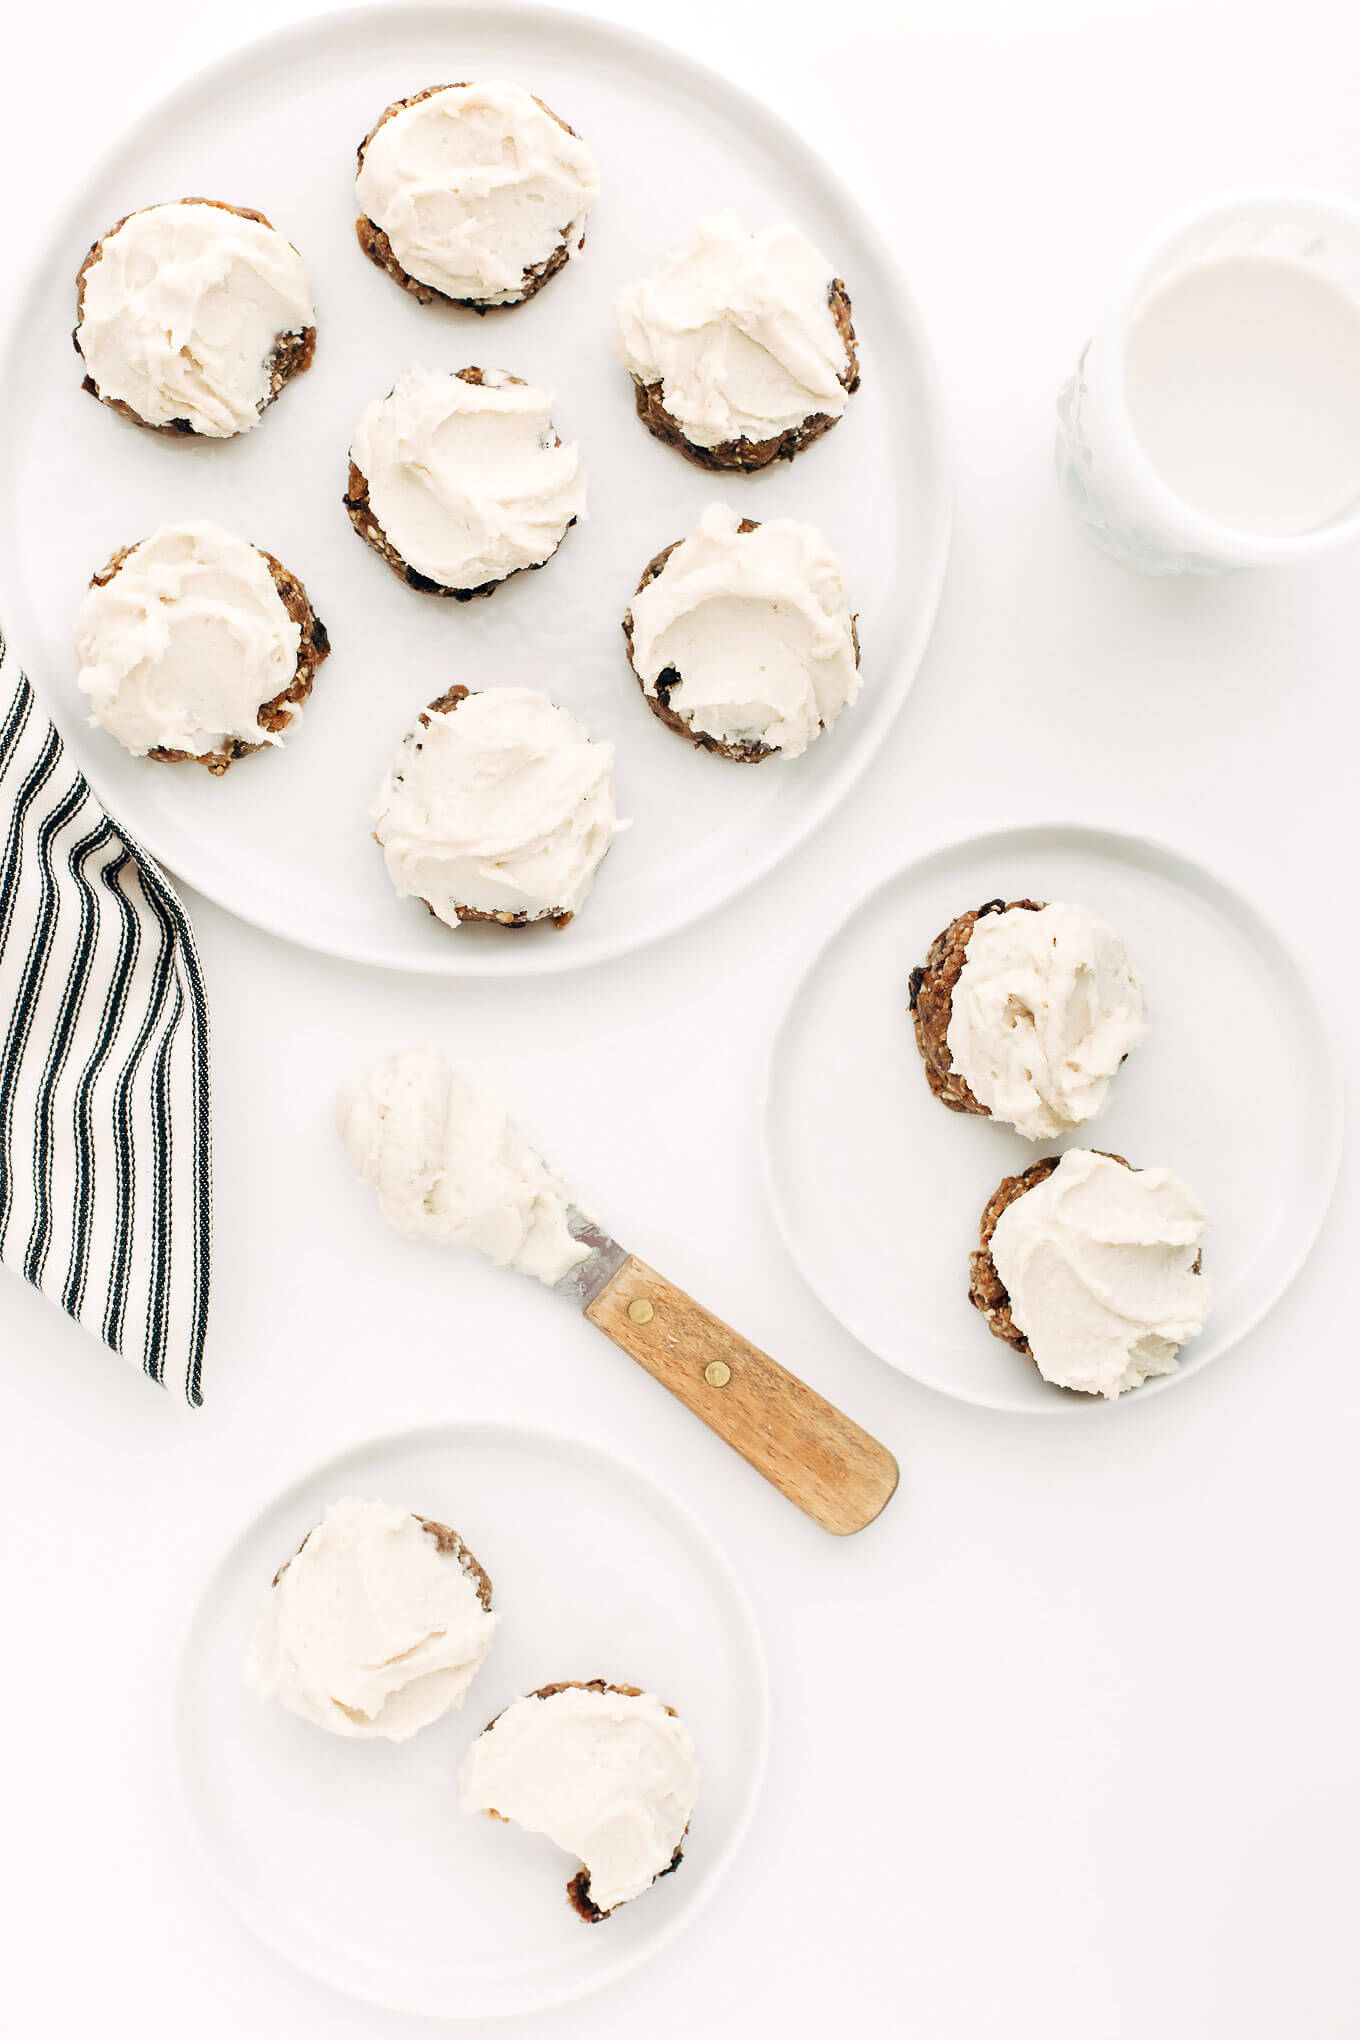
x,y
1124,501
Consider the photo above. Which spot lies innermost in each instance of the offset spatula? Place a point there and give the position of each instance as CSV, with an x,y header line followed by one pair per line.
x,y
807,1448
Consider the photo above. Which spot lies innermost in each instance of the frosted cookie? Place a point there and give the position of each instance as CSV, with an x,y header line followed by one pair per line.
x,y
497,807
1094,1269
191,317
474,193
741,346
459,480
452,1169
742,638
1024,1013
376,1627
606,1772
195,647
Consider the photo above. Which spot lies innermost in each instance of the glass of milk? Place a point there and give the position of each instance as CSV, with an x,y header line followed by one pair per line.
x,y
1214,418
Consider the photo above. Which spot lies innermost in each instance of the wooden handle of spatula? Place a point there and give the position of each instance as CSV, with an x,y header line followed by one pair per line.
x,y
807,1448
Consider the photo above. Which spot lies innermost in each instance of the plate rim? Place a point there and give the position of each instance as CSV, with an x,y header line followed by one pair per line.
x,y
902,663
1149,849
498,1429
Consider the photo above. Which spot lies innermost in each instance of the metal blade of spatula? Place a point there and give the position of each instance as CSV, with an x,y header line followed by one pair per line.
x,y
808,1449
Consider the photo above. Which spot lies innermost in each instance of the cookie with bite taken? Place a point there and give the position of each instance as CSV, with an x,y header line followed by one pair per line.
x,y
607,1772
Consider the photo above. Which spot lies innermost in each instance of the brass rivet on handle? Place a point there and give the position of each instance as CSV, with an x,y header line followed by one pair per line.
x,y
717,1374
640,1311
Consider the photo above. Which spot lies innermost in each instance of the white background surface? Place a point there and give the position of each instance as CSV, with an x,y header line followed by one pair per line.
x,y
1065,1745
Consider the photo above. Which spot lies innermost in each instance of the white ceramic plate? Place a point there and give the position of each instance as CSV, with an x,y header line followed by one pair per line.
x,y
878,1189
351,1858
283,839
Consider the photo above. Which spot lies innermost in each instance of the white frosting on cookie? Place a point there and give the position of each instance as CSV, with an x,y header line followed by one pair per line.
x,y
759,628
468,480
450,1167
609,1777
186,642
370,1630
181,311
1046,1008
476,185
738,330
502,804
1098,1261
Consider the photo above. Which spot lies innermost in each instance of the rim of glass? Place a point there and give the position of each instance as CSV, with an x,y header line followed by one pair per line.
x,y
1198,530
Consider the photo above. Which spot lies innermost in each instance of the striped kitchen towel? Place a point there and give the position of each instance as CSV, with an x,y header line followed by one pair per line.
x,y
104,1122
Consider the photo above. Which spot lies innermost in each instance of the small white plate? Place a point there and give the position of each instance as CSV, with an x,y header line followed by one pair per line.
x,y
351,1858
878,1189
284,838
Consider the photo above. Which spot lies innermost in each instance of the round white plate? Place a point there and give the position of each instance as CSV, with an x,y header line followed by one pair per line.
x,y
878,1189
283,839
351,1858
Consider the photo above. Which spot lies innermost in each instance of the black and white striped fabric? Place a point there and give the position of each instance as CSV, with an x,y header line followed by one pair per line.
x,y
105,1200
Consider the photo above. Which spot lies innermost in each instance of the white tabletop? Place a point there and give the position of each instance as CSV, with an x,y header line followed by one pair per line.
x,y
1065,1744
